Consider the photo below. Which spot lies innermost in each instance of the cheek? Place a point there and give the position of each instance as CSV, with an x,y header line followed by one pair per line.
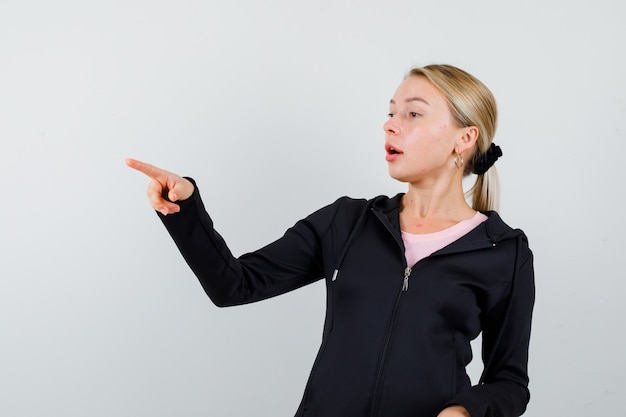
x,y
444,129
445,133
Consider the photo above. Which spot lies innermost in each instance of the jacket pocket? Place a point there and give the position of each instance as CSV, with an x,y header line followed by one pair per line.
x,y
331,302
331,297
454,354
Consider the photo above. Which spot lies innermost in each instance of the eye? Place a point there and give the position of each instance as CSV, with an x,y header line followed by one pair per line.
x,y
413,114
390,115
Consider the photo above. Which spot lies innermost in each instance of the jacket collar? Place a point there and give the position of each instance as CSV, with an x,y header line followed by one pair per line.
x,y
493,231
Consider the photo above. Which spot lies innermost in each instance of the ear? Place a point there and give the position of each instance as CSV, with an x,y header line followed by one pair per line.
x,y
468,138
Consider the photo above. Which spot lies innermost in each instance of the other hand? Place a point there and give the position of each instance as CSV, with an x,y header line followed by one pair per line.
x,y
165,187
454,411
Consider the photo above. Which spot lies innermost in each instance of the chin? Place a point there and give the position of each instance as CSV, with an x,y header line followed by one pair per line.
x,y
398,176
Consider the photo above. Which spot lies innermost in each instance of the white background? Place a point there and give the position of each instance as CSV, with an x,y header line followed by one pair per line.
x,y
276,109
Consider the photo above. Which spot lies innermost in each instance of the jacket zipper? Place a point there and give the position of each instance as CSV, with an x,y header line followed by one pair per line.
x,y
383,361
386,346
405,283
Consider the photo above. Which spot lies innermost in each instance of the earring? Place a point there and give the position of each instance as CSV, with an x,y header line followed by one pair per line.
x,y
458,160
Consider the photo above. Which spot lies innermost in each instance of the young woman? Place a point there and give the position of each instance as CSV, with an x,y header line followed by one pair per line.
x,y
410,279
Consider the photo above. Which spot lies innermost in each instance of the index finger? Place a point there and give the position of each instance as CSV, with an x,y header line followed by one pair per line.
x,y
150,170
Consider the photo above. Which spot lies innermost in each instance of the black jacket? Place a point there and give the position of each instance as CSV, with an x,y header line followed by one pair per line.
x,y
396,340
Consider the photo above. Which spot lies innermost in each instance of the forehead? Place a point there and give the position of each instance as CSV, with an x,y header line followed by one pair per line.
x,y
418,86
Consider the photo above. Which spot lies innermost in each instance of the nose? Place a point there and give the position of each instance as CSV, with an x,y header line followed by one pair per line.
x,y
391,127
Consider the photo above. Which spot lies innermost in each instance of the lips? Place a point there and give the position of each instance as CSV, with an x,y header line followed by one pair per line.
x,y
393,153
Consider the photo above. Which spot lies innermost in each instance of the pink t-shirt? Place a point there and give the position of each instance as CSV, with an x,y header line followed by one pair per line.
x,y
419,246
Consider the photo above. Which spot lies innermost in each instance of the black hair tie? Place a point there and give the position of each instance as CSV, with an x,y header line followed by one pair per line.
x,y
487,159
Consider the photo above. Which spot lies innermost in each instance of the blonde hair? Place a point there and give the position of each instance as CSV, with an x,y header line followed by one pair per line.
x,y
471,104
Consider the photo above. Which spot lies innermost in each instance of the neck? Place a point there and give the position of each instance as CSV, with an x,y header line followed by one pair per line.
x,y
443,201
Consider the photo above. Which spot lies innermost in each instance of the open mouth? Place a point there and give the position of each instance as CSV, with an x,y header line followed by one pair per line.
x,y
391,150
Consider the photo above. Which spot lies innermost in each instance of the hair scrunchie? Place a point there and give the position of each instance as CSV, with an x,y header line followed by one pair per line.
x,y
487,159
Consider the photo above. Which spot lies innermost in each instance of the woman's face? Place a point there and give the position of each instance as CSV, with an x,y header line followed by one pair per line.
x,y
421,134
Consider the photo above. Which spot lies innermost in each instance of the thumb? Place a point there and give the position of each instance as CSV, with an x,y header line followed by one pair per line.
x,y
178,188
172,195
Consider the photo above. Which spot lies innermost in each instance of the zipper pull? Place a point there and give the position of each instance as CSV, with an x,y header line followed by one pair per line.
x,y
405,284
334,278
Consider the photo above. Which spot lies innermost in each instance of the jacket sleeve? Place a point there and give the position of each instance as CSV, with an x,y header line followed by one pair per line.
x,y
290,262
503,389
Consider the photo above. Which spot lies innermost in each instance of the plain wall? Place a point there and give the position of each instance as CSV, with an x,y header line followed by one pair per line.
x,y
276,109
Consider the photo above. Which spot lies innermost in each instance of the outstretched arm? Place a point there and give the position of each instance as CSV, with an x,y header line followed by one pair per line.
x,y
289,262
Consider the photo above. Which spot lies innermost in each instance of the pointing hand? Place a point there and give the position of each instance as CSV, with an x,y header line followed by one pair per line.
x,y
165,188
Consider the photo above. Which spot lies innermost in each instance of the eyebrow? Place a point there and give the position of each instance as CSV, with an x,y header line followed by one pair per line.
x,y
410,99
